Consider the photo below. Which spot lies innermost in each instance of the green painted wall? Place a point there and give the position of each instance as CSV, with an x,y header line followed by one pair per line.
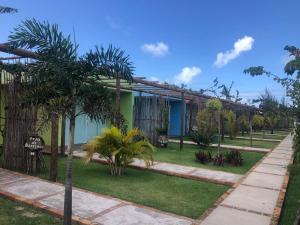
x,y
126,105
127,101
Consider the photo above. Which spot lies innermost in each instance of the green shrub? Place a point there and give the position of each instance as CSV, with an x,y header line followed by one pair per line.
x,y
202,139
219,160
119,149
296,144
234,158
203,156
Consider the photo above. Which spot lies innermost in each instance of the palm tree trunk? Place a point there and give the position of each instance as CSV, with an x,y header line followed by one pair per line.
x,y
54,146
63,135
219,134
68,181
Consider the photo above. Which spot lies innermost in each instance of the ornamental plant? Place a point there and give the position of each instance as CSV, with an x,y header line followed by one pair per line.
x,y
120,149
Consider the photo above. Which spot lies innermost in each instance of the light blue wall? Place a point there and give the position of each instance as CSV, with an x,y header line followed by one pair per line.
x,y
175,112
85,129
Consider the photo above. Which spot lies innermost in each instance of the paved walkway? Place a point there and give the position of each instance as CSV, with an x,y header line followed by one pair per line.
x,y
88,207
195,173
257,200
233,147
256,139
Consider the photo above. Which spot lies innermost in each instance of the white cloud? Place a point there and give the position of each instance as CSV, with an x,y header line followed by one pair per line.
x,y
187,74
241,45
286,58
153,79
158,49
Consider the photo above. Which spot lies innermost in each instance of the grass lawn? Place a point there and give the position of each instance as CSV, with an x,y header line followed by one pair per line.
x,y
13,213
246,143
292,197
187,157
168,193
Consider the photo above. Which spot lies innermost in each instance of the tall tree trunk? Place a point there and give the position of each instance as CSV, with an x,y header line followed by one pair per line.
x,y
223,127
54,146
63,135
251,133
219,134
68,181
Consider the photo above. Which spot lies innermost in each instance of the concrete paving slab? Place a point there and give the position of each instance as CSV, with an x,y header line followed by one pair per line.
x,y
6,178
252,198
173,168
283,152
132,215
240,148
264,180
228,216
280,155
217,175
272,169
276,161
84,205
33,189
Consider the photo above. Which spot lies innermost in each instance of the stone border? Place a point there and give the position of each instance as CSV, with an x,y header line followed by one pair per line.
x,y
225,195
279,204
230,147
77,219
169,173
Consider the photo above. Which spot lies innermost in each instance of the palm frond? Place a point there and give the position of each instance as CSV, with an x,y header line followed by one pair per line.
x,y
4,9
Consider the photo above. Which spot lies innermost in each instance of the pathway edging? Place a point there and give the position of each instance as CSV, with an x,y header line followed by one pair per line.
x,y
238,206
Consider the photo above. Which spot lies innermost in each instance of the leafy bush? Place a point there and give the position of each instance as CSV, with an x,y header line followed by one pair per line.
x,y
206,128
119,149
234,158
204,139
230,122
219,160
243,123
203,156
296,144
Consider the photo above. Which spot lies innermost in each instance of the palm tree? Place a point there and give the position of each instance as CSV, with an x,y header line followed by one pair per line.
x,y
4,9
73,86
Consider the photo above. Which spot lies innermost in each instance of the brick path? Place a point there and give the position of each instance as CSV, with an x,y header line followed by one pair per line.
x,y
258,199
233,147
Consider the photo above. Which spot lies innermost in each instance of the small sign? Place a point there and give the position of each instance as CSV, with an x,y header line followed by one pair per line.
x,y
34,143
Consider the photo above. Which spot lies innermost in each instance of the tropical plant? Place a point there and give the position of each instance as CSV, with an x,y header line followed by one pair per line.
x,y
120,149
4,9
258,121
234,158
203,138
230,122
203,156
72,86
219,160
243,123
214,106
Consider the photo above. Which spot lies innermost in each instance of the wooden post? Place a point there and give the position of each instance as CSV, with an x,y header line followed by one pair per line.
x,y
182,120
54,146
63,135
118,97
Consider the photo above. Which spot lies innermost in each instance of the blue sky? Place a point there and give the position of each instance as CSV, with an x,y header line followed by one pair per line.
x,y
179,41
